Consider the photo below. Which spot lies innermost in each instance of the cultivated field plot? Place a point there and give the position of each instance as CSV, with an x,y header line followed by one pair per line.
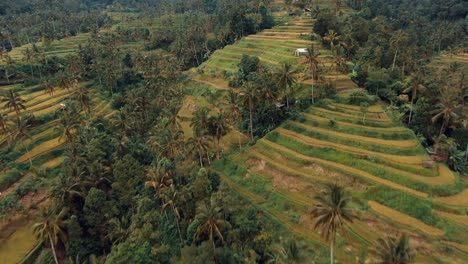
x,y
379,161
272,47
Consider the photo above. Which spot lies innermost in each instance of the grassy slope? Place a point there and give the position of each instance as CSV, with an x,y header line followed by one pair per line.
x,y
283,165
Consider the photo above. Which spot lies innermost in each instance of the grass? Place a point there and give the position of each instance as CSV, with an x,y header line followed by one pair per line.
x,y
17,245
343,168
458,246
459,219
370,121
404,219
352,120
41,149
387,135
310,118
460,199
352,160
409,160
343,139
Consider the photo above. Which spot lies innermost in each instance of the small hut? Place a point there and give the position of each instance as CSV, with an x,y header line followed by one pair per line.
x,y
301,52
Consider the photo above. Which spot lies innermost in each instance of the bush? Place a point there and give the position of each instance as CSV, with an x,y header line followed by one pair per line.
x,y
11,177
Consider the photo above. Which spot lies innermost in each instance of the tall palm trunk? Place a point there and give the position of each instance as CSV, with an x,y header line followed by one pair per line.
x,y
411,111
53,249
6,74
239,138
201,159
251,122
312,73
394,58
331,251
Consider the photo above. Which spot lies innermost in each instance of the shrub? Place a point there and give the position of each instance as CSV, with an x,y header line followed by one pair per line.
x,y
11,177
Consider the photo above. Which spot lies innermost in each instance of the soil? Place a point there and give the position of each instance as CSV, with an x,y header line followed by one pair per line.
x,y
352,182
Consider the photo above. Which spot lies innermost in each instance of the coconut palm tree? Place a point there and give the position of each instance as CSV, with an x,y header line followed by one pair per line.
x,y
331,212
82,96
167,142
331,36
49,86
199,143
394,250
200,121
217,126
446,110
20,130
249,99
174,198
14,101
233,111
51,228
69,122
28,58
416,84
8,63
5,123
161,177
312,60
396,42
285,78
212,221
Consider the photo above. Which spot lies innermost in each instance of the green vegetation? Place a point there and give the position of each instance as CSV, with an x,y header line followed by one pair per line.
x,y
206,131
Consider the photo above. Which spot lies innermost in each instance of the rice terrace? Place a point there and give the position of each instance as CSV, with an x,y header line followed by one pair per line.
x,y
217,131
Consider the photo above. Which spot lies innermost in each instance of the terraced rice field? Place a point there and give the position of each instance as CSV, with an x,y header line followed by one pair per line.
x,y
289,158
272,46
378,160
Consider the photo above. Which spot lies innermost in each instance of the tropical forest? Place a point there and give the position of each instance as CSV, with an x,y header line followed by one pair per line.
x,y
233,131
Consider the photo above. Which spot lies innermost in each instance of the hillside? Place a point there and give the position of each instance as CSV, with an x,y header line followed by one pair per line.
x,y
198,135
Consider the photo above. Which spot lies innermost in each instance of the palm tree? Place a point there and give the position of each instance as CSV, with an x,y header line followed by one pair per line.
x,y
20,130
82,96
199,143
4,123
312,61
416,82
331,36
212,221
167,143
28,58
233,111
8,62
285,79
174,198
394,251
217,126
161,177
249,98
445,110
50,228
69,122
396,41
199,121
14,101
331,212
49,86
